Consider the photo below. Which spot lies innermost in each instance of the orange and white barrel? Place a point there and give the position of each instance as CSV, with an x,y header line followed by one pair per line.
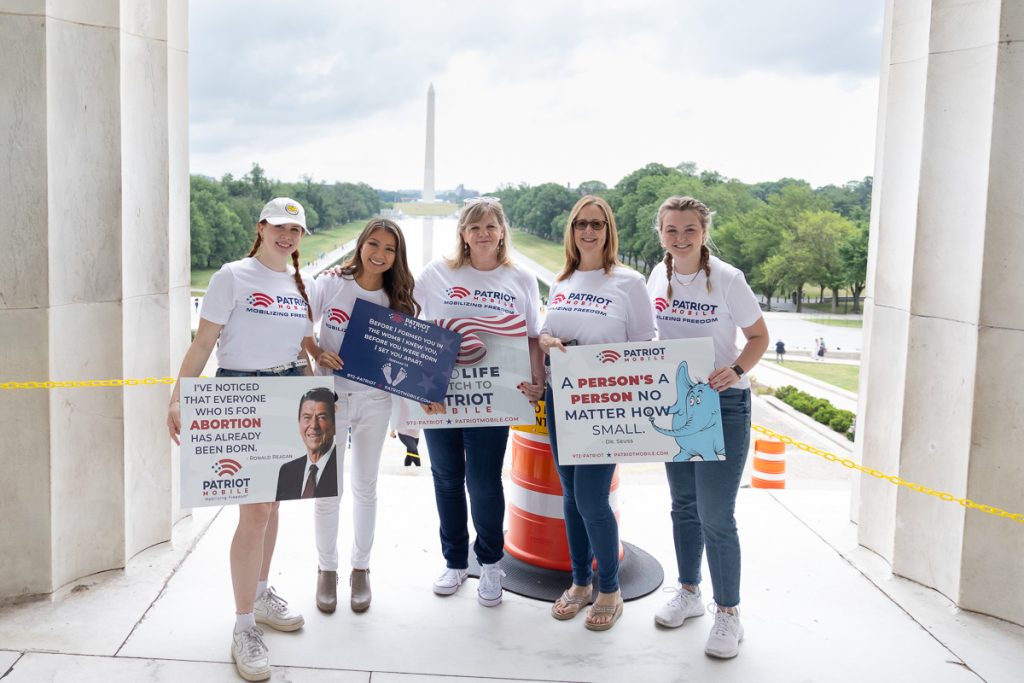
x,y
769,470
536,523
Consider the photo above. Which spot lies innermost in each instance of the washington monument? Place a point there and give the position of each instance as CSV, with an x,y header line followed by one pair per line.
x,y
428,166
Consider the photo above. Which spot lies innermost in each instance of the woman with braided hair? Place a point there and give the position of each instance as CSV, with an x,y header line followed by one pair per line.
x,y
704,493
254,340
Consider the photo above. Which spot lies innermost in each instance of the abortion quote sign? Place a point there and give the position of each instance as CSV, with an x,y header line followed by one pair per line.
x,y
493,359
241,437
397,353
636,402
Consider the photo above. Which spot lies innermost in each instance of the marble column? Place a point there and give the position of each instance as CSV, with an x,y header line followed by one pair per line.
x,y
940,402
95,115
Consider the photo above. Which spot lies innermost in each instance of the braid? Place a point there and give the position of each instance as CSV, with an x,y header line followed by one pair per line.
x,y
256,244
668,273
301,284
705,263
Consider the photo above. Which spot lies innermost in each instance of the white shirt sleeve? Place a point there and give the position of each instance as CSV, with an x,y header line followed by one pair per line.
x,y
219,300
742,302
639,312
532,307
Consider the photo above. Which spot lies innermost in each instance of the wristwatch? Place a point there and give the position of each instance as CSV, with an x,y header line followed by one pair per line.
x,y
738,370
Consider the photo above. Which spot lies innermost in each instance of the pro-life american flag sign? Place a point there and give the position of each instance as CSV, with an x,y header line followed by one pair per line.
x,y
493,359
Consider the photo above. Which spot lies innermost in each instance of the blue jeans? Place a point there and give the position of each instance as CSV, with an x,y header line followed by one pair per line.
x,y
469,458
590,524
704,503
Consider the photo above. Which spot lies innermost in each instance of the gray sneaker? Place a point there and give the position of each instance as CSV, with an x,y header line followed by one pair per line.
x,y
252,659
489,591
450,580
726,634
681,606
273,611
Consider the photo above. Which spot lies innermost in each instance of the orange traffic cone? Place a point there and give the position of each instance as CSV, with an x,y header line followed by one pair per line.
x,y
769,465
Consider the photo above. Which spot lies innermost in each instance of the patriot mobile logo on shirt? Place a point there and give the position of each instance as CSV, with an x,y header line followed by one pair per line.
x,y
582,302
500,302
264,304
336,319
260,299
680,310
457,292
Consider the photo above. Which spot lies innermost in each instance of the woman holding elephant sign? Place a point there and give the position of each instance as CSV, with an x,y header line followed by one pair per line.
x,y
704,493
595,300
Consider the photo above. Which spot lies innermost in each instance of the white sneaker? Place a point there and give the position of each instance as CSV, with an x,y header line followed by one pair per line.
x,y
726,634
680,607
489,590
252,659
272,610
450,580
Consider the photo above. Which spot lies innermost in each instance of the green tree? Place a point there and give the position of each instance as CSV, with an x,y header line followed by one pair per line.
x,y
853,252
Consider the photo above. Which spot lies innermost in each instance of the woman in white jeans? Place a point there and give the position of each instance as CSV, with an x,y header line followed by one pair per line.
x,y
377,272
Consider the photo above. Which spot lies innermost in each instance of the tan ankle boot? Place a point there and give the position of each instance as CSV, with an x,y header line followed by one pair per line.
x,y
360,582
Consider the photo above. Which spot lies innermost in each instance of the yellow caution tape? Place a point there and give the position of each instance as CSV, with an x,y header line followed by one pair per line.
x,y
88,383
892,478
541,427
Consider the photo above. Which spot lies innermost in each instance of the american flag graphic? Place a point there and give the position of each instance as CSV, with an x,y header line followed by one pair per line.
x,y
472,349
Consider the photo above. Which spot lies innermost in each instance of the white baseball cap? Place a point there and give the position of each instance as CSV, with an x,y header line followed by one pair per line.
x,y
284,210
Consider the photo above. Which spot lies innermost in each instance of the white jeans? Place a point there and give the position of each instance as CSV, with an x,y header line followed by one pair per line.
x,y
368,414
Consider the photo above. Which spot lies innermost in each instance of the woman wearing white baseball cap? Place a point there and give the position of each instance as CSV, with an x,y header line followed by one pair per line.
x,y
252,343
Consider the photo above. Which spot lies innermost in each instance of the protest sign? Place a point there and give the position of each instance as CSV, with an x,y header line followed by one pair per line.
x,y
493,359
253,439
395,352
636,402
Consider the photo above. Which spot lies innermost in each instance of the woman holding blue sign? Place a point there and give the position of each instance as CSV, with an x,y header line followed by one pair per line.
x,y
251,340
480,280
595,300
704,493
378,271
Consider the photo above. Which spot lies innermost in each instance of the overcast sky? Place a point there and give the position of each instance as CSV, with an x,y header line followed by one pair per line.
x,y
534,90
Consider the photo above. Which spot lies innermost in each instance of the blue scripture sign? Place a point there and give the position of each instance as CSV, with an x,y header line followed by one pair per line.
x,y
398,353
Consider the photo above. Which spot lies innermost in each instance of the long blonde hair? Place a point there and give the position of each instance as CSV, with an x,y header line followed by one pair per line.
x,y
473,211
610,253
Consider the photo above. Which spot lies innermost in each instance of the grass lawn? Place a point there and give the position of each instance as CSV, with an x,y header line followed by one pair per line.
x,y
840,375
838,322
312,245
426,209
549,254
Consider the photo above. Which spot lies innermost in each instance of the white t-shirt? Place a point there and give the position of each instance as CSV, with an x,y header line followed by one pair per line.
x,y
333,300
593,307
693,312
446,292
263,314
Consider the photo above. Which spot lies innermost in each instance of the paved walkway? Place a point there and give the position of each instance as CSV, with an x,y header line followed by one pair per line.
x,y
816,607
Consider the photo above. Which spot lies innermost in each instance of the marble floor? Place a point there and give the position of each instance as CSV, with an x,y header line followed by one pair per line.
x,y
816,607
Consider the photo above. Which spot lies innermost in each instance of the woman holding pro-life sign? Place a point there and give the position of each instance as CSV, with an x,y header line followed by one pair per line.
x,y
471,457
704,493
251,342
378,272
595,300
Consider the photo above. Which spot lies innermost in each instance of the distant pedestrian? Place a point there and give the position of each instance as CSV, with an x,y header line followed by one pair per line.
x,y
195,302
821,349
410,438
814,349
780,350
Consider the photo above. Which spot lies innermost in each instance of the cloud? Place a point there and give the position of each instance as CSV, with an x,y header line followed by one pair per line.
x,y
533,91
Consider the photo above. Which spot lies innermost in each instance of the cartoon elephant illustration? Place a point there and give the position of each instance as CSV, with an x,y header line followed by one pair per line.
x,y
696,420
